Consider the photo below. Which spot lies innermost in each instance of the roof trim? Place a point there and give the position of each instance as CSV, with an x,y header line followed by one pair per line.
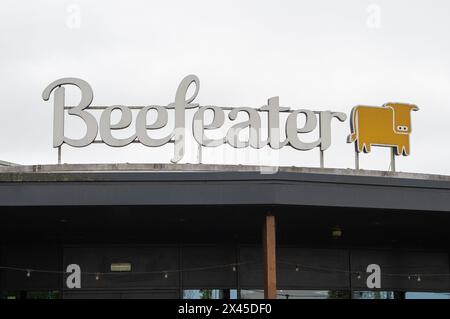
x,y
164,167
138,185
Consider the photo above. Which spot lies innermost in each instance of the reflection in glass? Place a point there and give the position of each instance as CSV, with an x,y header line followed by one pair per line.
x,y
30,295
298,294
374,295
210,294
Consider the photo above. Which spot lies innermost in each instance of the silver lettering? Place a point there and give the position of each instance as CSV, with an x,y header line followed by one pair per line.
x,y
58,118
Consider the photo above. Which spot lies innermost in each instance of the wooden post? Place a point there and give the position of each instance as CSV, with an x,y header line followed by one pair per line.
x,y
269,258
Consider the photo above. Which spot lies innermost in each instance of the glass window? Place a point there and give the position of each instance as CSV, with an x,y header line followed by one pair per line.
x,y
298,294
375,295
210,294
30,295
427,295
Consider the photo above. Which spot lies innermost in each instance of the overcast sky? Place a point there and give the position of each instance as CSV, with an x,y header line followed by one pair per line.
x,y
312,54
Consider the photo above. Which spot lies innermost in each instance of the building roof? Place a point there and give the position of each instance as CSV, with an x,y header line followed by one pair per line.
x,y
192,184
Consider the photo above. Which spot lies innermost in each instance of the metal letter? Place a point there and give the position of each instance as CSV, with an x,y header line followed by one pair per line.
x,y
160,122
106,126
325,118
199,127
254,125
274,109
292,130
58,115
180,105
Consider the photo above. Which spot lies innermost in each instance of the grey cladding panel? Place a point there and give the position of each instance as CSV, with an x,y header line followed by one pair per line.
x,y
317,268
433,269
151,260
33,257
218,259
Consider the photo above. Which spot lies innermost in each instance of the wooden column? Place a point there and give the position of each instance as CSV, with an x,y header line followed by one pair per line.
x,y
269,258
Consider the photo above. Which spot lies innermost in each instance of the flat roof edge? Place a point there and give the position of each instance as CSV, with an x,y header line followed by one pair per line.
x,y
173,168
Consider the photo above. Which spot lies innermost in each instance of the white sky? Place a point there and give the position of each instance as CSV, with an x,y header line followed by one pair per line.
x,y
313,54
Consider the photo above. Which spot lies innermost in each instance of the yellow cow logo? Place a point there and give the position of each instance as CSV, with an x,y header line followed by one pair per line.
x,y
389,125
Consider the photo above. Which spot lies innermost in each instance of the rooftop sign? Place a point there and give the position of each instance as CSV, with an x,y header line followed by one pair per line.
x,y
385,126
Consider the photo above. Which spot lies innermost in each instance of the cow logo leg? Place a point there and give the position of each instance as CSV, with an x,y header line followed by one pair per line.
x,y
361,146
405,150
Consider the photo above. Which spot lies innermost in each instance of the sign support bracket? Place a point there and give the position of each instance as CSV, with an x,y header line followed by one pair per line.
x,y
199,153
392,160
59,155
322,159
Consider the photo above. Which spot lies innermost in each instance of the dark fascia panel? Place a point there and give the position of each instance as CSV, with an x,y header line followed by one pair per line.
x,y
223,188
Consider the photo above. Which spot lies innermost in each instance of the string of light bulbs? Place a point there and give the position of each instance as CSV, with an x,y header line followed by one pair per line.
x,y
417,276
28,271
233,266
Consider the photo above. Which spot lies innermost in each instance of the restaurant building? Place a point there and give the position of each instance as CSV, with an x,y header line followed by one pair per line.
x,y
207,231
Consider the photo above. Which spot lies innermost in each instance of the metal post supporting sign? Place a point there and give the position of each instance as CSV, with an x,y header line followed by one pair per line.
x,y
322,160
392,160
199,153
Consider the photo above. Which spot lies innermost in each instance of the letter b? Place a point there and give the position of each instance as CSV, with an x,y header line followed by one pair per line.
x,y
58,116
